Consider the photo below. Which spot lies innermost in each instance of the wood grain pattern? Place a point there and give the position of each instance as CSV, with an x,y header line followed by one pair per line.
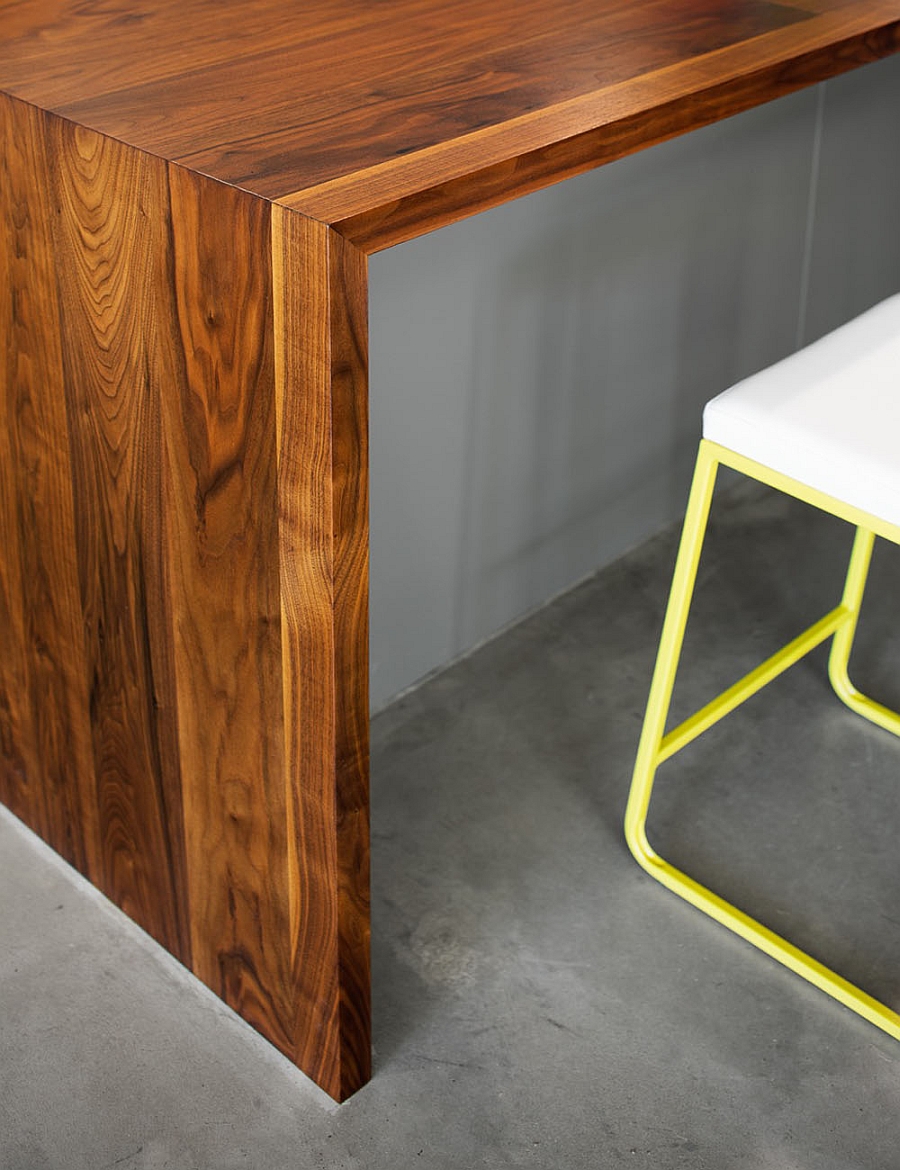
x,y
109,235
350,513
384,120
324,573
220,456
405,197
441,72
151,566
46,762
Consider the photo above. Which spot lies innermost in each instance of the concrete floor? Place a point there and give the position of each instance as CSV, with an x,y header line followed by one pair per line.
x,y
538,1001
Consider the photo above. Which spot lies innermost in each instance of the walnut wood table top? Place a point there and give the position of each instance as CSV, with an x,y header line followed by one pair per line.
x,y
188,194
386,118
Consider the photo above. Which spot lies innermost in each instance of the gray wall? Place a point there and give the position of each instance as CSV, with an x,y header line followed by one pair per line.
x,y
538,371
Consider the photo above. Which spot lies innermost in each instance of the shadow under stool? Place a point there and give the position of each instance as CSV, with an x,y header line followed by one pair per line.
x,y
823,425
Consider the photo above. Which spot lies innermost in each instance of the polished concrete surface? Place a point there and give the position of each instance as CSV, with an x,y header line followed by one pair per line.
x,y
539,1002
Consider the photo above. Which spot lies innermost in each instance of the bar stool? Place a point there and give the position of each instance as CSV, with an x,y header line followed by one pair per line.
x,y
823,425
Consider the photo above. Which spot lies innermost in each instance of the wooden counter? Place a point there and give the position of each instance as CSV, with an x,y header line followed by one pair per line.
x,y
189,193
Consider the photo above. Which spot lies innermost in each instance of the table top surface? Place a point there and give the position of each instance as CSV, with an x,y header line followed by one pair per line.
x,y
387,118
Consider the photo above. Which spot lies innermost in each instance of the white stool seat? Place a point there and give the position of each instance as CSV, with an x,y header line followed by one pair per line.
x,y
828,416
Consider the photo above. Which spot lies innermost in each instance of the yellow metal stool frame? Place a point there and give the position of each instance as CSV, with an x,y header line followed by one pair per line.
x,y
656,745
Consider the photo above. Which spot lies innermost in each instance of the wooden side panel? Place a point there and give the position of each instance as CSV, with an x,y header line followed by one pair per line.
x,y
183,707
300,264
110,237
321,282
350,511
222,466
46,763
19,338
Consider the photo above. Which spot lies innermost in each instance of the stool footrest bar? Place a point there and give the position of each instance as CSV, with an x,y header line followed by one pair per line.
x,y
744,688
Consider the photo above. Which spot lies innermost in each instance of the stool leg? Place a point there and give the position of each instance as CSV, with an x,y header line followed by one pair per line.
x,y
649,758
685,575
842,644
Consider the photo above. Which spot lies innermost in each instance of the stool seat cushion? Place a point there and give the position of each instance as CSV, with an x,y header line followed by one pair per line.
x,y
828,416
